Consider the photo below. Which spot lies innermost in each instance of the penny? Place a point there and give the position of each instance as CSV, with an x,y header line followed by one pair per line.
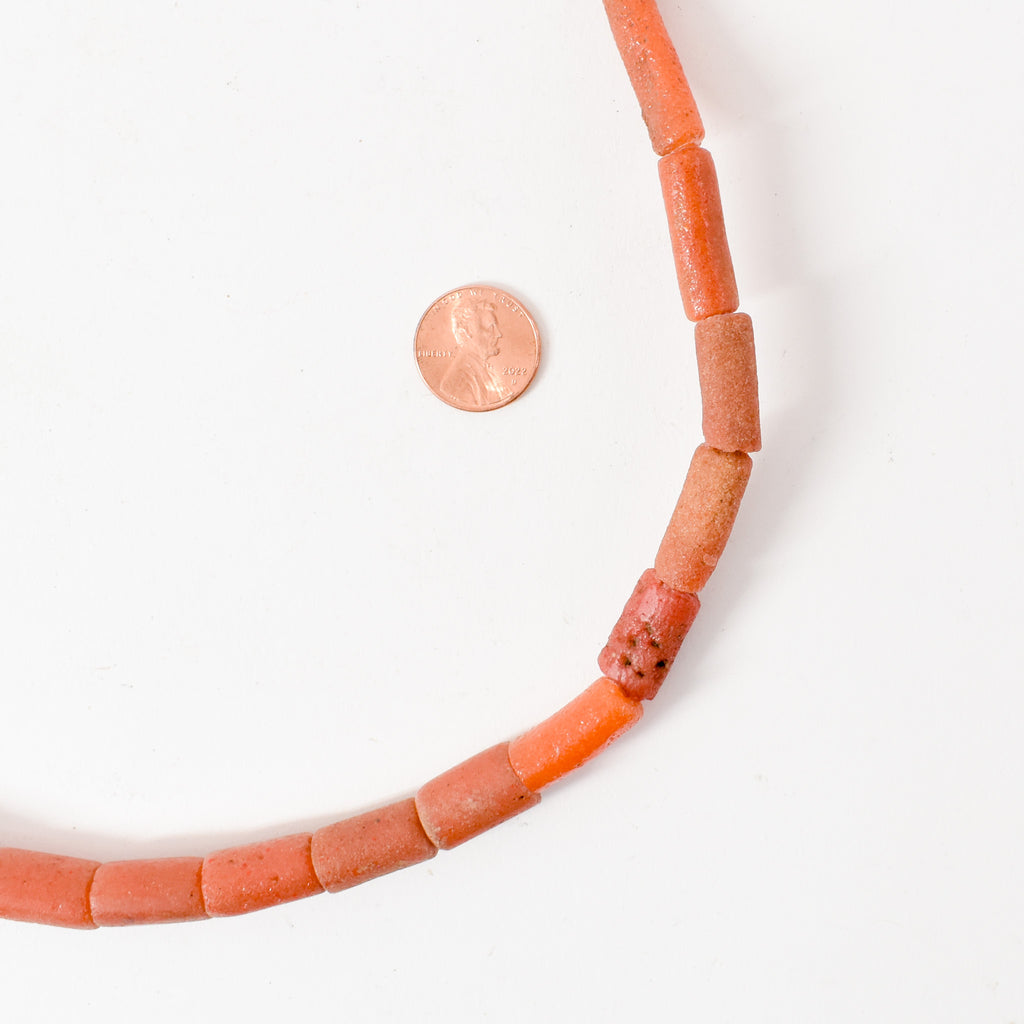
x,y
477,348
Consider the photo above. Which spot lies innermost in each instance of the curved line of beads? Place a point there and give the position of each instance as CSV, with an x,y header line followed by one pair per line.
x,y
506,779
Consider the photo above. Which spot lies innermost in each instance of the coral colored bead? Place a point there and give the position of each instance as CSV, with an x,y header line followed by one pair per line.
x,y
471,798
666,102
148,891
246,878
647,637
45,888
689,185
573,735
703,518
728,382
369,845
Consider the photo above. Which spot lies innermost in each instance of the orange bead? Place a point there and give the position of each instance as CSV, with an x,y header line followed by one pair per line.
x,y
369,845
45,888
689,185
573,735
703,518
471,798
728,382
246,878
148,891
666,102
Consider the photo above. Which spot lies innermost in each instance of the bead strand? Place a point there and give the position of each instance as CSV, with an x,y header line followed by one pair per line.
x,y
504,780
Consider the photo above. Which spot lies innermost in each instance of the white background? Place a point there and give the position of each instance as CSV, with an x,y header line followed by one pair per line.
x,y
256,578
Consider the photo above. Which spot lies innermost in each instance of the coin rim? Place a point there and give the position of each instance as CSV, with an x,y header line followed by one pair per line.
x,y
536,338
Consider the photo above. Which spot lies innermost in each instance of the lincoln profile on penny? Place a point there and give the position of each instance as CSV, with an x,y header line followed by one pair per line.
x,y
470,378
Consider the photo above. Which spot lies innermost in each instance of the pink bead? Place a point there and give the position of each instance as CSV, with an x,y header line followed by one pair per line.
x,y
647,637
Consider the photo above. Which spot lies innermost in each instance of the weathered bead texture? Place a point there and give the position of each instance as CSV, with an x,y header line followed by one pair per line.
x,y
727,367
573,735
370,845
471,798
666,102
46,888
703,518
242,879
502,781
157,891
689,186
647,637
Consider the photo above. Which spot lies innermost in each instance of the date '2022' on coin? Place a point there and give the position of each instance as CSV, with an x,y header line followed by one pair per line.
x,y
477,348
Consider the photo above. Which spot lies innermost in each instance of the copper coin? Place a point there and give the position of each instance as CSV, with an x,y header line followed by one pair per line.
x,y
477,348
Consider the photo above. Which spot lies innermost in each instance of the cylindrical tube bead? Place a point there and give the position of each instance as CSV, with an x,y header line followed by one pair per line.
x,y
369,845
689,185
574,734
666,102
45,888
156,891
728,382
647,637
703,518
471,798
246,878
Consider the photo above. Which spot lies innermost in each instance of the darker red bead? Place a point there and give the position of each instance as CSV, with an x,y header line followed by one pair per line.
x,y
648,636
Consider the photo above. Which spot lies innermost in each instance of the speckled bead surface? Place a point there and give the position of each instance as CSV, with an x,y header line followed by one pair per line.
x,y
693,205
573,734
472,797
159,891
242,879
370,845
46,888
666,102
728,382
703,518
647,637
